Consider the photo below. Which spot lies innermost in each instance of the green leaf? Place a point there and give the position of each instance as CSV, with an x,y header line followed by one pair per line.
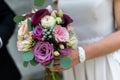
x,y
57,75
33,62
39,2
29,25
27,56
65,62
18,19
51,64
25,64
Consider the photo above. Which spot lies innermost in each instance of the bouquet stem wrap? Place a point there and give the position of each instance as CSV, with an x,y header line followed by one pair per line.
x,y
50,75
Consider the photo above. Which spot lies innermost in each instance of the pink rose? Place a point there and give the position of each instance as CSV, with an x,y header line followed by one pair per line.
x,y
61,34
23,28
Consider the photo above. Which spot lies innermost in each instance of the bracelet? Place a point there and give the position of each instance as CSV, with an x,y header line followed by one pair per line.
x,y
82,56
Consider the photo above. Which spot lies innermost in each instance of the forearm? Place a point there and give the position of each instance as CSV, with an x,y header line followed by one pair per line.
x,y
104,46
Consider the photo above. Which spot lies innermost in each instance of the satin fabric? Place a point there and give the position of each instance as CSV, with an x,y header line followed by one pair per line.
x,y
93,20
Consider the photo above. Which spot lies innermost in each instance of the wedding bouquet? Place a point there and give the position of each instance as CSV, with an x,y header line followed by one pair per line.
x,y
45,34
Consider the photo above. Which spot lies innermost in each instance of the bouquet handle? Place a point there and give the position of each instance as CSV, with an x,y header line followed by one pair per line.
x,y
51,75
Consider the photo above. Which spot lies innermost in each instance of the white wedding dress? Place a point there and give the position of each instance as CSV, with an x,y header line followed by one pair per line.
x,y
93,20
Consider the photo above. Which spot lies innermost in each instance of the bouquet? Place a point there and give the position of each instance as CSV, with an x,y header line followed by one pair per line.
x,y
43,35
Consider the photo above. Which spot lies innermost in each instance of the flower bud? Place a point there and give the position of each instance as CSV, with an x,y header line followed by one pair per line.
x,y
60,13
58,20
61,46
70,43
50,36
52,44
56,53
48,33
53,14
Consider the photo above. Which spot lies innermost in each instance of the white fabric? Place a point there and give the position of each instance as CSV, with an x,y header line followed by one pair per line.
x,y
1,43
93,20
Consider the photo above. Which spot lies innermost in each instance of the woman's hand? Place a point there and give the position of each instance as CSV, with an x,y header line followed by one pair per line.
x,y
74,58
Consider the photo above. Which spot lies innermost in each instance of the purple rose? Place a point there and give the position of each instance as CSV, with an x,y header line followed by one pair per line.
x,y
38,15
65,51
44,52
38,32
66,20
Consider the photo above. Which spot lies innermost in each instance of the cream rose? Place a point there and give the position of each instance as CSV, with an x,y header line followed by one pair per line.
x,y
48,21
25,45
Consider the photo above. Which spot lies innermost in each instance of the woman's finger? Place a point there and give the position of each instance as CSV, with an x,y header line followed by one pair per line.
x,y
56,61
57,68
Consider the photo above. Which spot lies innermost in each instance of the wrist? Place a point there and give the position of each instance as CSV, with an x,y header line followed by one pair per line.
x,y
75,57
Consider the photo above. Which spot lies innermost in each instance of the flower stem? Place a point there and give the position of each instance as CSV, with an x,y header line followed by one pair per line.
x,y
53,76
50,75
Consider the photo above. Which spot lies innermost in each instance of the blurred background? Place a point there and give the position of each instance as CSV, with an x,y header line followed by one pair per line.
x,y
29,73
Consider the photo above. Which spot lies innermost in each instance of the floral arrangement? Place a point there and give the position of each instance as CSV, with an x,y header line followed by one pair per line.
x,y
43,35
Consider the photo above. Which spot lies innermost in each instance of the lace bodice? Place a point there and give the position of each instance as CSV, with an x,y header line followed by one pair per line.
x,y
92,18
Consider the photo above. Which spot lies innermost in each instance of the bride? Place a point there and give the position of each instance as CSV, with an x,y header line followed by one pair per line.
x,y
97,56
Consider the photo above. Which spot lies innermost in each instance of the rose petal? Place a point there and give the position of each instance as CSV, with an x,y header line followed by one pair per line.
x,y
28,15
38,32
43,57
36,18
66,20
65,51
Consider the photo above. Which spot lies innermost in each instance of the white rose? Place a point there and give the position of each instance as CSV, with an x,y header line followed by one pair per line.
x,y
48,21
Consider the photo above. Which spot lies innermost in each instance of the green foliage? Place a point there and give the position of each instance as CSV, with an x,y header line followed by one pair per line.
x,y
51,64
39,3
27,56
65,62
18,19
29,25
33,62
25,64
